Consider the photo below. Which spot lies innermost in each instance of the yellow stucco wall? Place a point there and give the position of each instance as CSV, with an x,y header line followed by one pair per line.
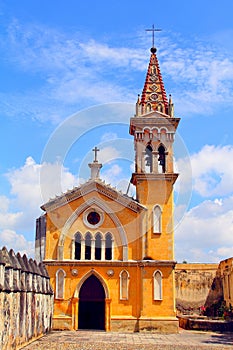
x,y
140,303
123,314
152,192
130,220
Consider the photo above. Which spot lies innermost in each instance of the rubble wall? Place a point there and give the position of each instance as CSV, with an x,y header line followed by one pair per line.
x,y
26,300
198,287
226,268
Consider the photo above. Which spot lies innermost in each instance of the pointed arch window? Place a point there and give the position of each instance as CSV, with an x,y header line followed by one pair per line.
x,y
157,277
162,158
157,219
98,246
148,159
124,285
60,284
77,246
108,247
88,246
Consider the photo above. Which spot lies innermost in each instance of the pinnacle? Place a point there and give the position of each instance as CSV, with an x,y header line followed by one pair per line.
x,y
153,95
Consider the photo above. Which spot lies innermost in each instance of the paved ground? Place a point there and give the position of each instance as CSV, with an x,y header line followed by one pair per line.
x,y
96,340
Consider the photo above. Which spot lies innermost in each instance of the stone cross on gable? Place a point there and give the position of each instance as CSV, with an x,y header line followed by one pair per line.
x,y
95,165
95,150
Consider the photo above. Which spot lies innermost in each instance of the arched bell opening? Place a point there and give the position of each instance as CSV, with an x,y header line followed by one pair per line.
x,y
162,158
148,159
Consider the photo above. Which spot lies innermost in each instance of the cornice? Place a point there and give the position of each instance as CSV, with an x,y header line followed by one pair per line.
x,y
152,119
112,263
89,187
170,177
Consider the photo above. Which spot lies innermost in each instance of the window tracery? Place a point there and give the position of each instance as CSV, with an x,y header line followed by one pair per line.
x,y
99,247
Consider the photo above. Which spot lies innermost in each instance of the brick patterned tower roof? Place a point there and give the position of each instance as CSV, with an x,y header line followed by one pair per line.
x,y
154,93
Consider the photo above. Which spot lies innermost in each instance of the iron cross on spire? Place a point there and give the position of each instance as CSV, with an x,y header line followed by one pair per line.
x,y
153,30
95,150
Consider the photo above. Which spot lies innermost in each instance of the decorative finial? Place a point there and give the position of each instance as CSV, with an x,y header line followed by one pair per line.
x,y
170,107
153,30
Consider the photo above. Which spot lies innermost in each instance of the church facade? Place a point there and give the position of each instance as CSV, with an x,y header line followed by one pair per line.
x,y
110,257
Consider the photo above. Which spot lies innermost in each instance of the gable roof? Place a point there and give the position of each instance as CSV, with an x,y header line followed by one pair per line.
x,y
98,186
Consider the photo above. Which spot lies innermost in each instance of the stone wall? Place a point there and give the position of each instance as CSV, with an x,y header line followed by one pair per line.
x,y
198,288
26,300
226,268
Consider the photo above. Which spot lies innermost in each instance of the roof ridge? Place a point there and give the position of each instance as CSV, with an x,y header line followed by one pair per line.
x,y
79,191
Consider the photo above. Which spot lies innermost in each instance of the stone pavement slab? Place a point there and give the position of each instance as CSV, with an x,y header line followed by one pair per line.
x,y
97,340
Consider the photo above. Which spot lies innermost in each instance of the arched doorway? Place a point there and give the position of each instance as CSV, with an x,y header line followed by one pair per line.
x,y
91,313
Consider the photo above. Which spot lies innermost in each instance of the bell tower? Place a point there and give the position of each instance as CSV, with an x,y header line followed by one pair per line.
x,y
153,127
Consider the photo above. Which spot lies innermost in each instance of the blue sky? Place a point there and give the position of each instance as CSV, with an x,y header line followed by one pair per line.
x,y
73,68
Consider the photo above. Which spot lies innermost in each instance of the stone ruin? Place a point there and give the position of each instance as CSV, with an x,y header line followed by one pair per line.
x,y
198,288
26,300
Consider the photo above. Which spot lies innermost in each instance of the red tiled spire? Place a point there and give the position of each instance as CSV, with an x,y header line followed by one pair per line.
x,y
154,95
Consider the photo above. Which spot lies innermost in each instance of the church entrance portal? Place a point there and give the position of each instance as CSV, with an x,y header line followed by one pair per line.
x,y
91,313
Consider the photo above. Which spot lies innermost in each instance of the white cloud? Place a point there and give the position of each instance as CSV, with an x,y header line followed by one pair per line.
x,y
110,175
4,204
54,180
108,154
206,232
114,175
225,251
8,219
93,90
201,74
114,56
80,71
29,191
212,170
223,38
11,240
108,136
116,161
73,73
31,186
